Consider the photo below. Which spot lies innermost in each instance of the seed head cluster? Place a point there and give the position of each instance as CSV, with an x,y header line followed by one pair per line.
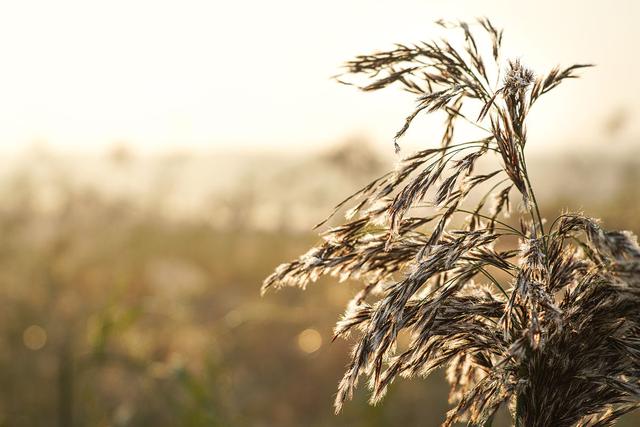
x,y
518,78
542,319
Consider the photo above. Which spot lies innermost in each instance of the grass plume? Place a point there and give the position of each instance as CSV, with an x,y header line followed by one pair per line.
x,y
541,319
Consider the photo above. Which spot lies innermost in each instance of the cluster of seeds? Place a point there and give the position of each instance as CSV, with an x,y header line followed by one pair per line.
x,y
549,326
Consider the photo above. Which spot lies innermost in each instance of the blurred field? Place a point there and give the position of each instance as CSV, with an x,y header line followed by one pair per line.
x,y
129,287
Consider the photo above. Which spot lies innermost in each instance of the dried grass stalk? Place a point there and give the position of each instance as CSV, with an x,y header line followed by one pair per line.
x,y
549,328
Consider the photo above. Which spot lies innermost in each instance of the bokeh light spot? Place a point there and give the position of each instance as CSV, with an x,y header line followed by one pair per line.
x,y
34,337
309,340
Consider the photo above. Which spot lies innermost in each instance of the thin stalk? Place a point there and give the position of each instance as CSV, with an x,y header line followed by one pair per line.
x,y
495,282
519,233
537,217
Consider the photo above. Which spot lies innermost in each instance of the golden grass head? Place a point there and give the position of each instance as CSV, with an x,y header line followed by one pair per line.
x,y
548,326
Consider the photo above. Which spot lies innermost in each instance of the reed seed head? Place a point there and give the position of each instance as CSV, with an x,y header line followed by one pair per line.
x,y
549,327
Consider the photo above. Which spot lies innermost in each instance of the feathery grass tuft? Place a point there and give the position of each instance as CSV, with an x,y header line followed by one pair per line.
x,y
549,326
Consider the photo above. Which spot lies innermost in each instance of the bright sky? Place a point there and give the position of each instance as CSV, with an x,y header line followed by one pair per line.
x,y
161,75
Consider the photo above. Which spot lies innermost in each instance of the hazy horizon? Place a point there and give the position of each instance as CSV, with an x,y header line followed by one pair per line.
x,y
163,76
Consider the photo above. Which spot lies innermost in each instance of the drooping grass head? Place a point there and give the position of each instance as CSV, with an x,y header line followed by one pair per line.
x,y
541,318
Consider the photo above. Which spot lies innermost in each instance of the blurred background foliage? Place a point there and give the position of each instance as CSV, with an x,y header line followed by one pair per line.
x,y
129,286
129,279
